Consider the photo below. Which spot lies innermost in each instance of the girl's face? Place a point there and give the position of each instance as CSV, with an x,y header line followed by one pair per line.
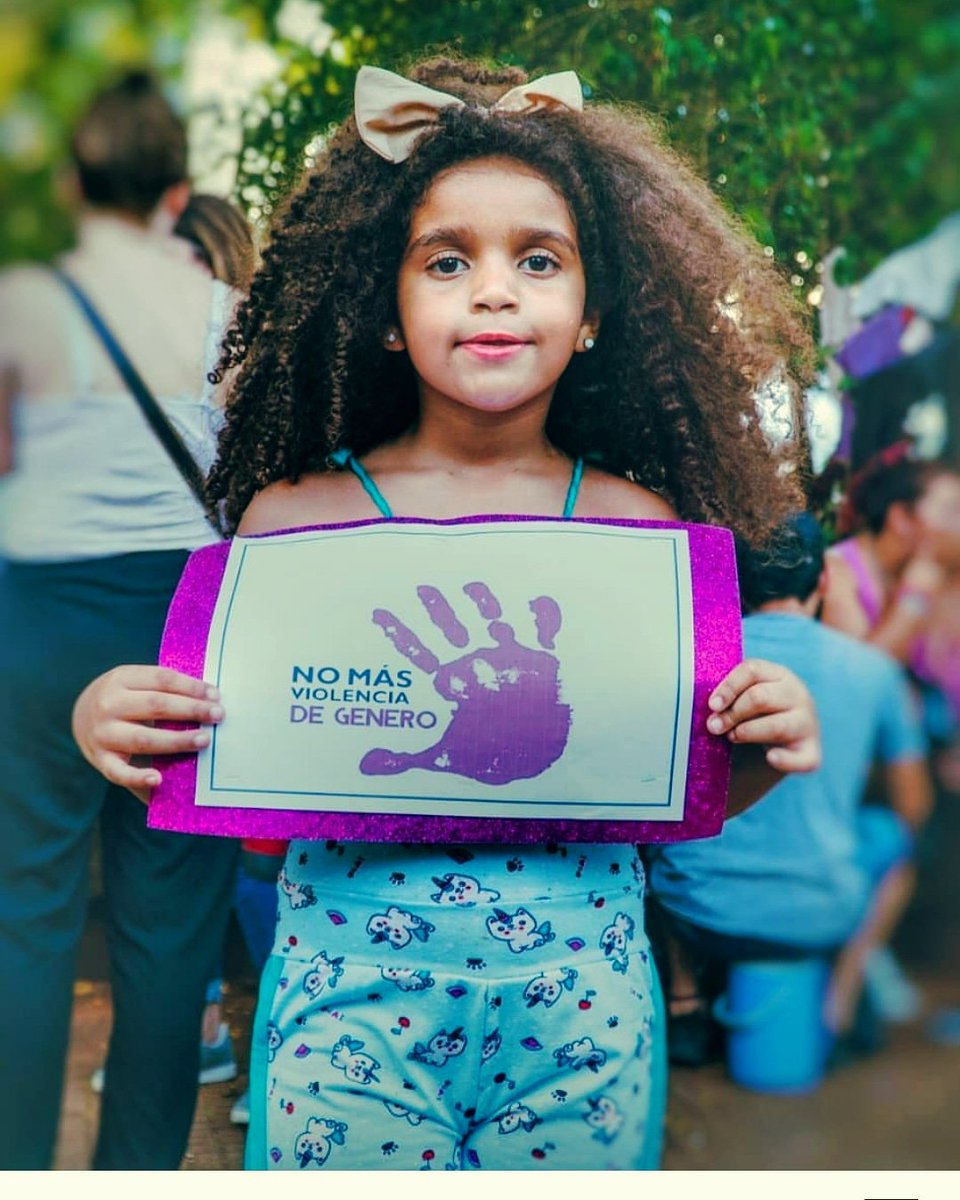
x,y
491,289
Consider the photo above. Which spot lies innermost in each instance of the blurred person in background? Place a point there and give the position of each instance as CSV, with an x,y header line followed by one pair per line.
x,y
809,871
220,238
96,522
894,580
895,583
215,234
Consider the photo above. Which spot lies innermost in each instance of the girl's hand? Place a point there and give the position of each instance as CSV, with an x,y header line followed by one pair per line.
x,y
763,704
112,721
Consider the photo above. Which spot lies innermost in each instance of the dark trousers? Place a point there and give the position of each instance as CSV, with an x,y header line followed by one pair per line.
x,y
167,895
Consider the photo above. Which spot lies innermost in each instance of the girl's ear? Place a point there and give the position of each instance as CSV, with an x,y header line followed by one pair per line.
x,y
393,340
589,331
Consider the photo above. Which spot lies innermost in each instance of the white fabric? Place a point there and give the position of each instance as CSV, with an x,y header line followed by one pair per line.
x,y
924,275
837,319
90,478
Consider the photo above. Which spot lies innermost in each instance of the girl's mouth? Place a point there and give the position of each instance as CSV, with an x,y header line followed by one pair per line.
x,y
493,345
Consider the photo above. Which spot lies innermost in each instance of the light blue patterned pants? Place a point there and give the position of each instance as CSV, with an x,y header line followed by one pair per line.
x,y
458,1008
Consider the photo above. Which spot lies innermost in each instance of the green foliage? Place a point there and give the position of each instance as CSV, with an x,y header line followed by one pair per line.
x,y
819,122
52,54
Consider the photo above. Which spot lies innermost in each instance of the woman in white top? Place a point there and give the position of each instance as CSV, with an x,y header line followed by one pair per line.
x,y
95,525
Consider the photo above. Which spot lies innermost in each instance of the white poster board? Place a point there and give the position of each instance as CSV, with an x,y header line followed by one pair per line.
x,y
498,670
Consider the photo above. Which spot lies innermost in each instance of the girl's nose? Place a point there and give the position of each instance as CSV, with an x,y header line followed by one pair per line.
x,y
494,288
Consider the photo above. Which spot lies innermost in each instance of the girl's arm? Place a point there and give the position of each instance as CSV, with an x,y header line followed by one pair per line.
x,y
113,721
769,716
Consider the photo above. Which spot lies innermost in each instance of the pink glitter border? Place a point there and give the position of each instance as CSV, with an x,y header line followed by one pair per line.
x,y
717,649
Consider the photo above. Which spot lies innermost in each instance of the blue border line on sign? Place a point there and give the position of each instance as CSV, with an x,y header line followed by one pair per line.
x,y
435,799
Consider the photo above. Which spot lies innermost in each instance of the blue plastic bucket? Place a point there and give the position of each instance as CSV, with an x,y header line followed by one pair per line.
x,y
773,1012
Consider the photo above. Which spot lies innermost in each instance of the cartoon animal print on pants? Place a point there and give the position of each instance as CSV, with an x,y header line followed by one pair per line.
x,y
397,1110
491,1044
274,1041
519,930
509,722
579,1054
462,890
325,974
300,895
547,987
313,1146
408,979
359,1068
441,1046
397,928
614,939
605,1118
517,1116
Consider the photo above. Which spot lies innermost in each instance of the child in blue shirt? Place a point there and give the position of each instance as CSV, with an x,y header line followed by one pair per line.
x,y
809,870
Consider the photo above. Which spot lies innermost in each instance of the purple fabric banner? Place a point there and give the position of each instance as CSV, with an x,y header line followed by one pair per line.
x,y
717,649
876,344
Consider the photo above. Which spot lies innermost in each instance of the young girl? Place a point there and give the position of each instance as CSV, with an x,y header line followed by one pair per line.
x,y
895,580
891,576
477,288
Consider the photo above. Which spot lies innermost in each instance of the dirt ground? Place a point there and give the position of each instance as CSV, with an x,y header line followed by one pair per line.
x,y
895,1111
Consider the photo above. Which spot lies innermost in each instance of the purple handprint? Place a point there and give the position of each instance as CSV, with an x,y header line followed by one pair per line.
x,y
508,722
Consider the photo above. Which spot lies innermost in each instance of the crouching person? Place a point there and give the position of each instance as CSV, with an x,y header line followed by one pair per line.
x,y
809,871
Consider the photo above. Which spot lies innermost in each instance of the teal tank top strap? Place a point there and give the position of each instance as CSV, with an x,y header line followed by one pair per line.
x,y
574,489
344,458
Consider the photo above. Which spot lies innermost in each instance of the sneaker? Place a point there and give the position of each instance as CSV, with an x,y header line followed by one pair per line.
x,y
694,1039
894,997
217,1064
240,1113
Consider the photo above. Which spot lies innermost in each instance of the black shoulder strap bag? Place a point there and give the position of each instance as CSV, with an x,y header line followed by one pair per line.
x,y
154,415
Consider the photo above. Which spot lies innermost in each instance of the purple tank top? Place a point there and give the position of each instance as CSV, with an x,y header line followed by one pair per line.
x,y
871,601
867,591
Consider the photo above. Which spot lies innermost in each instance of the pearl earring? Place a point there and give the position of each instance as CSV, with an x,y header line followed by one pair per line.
x,y
391,337
589,343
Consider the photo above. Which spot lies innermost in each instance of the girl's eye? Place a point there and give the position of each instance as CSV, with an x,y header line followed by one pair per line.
x,y
540,263
447,264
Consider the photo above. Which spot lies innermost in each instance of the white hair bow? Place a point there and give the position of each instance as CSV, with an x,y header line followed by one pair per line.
x,y
392,112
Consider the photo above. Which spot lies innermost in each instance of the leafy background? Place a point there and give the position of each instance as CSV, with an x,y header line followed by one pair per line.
x,y
821,122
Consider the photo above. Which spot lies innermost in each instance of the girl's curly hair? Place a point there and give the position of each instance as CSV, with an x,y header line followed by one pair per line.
x,y
694,318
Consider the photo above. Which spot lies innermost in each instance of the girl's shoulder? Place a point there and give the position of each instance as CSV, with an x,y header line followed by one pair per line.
x,y
335,496
603,495
315,499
